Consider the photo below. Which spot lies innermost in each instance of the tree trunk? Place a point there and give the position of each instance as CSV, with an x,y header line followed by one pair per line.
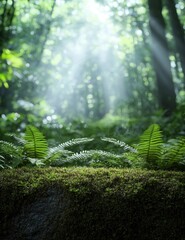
x,y
178,33
160,54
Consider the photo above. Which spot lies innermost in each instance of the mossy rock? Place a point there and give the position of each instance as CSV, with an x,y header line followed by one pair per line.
x,y
91,204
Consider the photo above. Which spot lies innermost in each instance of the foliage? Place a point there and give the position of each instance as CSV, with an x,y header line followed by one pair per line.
x,y
174,157
35,143
95,158
3,165
150,153
72,73
150,145
34,150
11,154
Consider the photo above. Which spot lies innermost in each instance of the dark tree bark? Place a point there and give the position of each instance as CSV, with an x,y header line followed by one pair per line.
x,y
178,33
160,54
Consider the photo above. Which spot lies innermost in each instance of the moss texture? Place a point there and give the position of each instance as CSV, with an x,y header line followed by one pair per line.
x,y
92,204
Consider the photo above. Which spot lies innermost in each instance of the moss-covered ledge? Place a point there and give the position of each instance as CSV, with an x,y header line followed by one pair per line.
x,y
91,204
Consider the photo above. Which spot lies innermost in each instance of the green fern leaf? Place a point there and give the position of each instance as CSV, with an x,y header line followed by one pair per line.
x,y
174,155
19,140
73,142
119,143
3,164
36,145
85,158
150,145
56,154
91,153
11,152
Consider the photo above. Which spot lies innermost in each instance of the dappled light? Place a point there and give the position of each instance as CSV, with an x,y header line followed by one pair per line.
x,y
84,62
92,109
92,69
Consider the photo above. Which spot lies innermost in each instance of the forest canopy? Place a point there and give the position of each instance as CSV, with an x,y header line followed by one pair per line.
x,y
66,60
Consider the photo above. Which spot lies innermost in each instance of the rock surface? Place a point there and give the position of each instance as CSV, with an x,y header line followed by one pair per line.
x,y
37,219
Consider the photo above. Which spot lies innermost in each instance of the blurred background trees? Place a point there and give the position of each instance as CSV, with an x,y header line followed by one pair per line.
x,y
65,60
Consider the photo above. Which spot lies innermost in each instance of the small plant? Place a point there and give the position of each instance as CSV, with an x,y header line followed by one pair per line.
x,y
33,149
3,165
59,153
11,154
150,146
173,156
35,144
150,153
158,155
94,158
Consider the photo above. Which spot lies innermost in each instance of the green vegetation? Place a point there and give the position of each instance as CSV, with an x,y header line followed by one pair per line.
x,y
99,76
92,97
150,152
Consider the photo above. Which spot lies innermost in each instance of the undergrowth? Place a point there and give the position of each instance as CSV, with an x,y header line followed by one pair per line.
x,y
151,152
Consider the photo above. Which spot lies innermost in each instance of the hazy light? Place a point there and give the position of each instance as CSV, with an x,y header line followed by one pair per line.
x,y
60,2
159,51
85,60
93,9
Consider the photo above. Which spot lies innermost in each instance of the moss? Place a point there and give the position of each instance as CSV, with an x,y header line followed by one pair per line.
x,y
96,203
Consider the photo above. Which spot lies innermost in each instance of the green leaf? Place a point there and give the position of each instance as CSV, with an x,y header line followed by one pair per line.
x,y
150,145
12,58
174,155
36,145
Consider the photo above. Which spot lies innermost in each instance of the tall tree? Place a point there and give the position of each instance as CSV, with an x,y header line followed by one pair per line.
x,y
178,33
6,19
160,54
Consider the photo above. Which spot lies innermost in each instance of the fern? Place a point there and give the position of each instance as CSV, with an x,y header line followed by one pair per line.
x,y
32,150
59,152
8,148
11,152
90,153
36,145
119,143
35,162
3,164
150,145
19,140
174,155
32,146
55,154
88,157
73,142
136,160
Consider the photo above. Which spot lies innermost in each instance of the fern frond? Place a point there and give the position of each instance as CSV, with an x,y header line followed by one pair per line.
x,y
19,140
56,153
11,152
150,145
175,154
36,162
119,143
9,148
90,153
136,160
3,164
36,145
86,157
73,142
